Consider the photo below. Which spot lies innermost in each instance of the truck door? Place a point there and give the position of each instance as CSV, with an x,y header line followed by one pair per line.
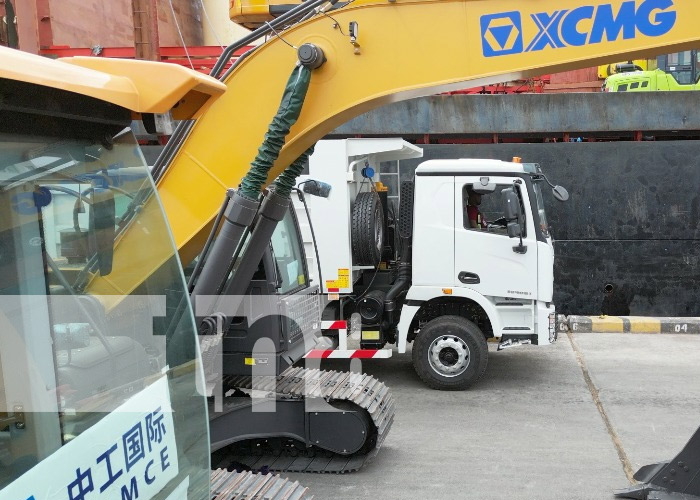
x,y
486,259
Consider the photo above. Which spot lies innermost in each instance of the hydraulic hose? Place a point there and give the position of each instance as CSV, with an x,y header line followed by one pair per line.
x,y
288,179
210,239
287,115
243,204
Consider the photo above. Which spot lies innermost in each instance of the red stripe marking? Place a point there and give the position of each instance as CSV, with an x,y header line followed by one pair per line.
x,y
333,290
364,353
338,325
317,354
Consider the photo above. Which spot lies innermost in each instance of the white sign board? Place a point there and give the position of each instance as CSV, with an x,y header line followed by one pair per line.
x,y
129,454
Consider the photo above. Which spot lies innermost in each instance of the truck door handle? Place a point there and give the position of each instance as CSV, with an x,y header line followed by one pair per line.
x,y
468,278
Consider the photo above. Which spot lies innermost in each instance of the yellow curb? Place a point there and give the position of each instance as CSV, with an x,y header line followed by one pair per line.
x,y
607,324
644,325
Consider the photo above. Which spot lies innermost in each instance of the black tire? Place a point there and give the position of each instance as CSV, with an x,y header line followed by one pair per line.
x,y
441,331
367,230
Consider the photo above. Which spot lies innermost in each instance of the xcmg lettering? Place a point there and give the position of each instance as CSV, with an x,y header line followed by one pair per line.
x,y
502,34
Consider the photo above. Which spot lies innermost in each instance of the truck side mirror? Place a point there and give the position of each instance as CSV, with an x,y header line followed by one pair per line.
x,y
560,193
514,229
102,232
511,205
317,188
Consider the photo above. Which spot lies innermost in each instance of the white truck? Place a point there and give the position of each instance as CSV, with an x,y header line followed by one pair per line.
x,y
416,271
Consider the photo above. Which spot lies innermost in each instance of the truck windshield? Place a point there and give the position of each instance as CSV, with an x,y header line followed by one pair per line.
x,y
99,384
537,187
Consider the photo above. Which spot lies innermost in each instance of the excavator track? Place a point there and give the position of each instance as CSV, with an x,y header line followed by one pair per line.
x,y
347,390
227,485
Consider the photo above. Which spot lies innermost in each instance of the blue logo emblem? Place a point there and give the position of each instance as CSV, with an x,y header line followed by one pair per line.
x,y
502,34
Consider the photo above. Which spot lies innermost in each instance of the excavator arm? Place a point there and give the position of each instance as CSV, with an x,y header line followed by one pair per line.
x,y
401,49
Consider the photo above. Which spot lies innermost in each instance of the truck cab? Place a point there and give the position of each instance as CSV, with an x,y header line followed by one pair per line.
x,y
497,275
407,266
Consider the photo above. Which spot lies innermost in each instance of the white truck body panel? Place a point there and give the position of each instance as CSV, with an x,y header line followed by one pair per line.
x,y
433,232
339,163
545,269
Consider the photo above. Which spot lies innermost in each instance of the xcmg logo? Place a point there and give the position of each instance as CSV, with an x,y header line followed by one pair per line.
x,y
502,34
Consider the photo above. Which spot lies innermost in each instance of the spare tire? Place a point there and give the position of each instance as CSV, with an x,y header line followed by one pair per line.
x,y
367,229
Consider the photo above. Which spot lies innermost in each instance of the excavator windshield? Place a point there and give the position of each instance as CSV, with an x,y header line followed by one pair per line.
x,y
98,394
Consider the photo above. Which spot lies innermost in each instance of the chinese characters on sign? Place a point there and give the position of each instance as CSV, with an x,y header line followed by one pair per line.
x,y
129,454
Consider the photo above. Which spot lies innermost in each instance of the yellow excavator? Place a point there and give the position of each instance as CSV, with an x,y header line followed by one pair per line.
x,y
99,395
114,348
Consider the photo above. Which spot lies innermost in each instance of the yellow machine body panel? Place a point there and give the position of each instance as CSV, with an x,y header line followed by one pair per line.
x,y
607,70
404,49
140,86
160,87
253,13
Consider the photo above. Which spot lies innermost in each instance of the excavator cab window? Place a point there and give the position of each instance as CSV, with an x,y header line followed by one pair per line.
x,y
289,255
94,358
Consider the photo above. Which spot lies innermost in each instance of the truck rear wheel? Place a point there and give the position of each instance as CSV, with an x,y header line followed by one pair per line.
x,y
450,353
367,229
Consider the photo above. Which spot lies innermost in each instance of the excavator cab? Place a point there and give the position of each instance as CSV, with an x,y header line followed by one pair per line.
x,y
279,320
99,385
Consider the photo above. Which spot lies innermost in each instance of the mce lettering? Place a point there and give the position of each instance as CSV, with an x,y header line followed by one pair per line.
x,y
502,34
127,463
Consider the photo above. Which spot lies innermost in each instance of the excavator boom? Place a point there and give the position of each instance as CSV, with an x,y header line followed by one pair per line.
x,y
401,49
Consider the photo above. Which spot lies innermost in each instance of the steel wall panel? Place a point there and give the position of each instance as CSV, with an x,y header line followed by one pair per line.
x,y
632,220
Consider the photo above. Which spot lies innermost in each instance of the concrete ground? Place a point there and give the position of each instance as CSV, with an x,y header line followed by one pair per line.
x,y
531,429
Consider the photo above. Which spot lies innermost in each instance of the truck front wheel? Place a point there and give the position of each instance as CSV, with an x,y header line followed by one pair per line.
x,y
450,353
